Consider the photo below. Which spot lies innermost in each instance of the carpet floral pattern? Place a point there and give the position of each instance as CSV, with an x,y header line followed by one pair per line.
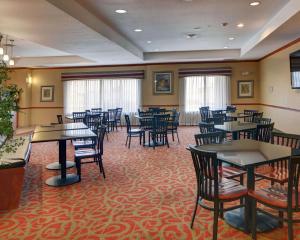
x,y
147,194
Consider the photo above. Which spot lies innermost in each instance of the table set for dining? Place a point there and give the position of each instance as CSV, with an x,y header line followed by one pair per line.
x,y
61,133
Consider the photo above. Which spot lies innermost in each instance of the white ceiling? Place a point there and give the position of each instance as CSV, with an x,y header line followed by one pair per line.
x,y
89,32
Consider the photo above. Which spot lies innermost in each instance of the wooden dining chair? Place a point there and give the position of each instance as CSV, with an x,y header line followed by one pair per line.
x,y
159,130
277,172
173,125
60,119
78,116
91,153
283,199
204,113
218,137
133,132
263,132
206,127
213,188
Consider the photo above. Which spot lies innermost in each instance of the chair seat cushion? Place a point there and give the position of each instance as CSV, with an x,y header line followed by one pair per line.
x,y
85,153
230,172
228,189
136,130
80,143
276,174
275,196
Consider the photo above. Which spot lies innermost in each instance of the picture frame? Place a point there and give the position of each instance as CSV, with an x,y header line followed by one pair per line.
x,y
163,82
245,89
47,94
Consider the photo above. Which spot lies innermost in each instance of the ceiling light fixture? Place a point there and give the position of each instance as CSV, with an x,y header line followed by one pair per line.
x,y
138,30
11,61
225,47
149,42
240,25
231,38
121,11
255,3
9,47
191,35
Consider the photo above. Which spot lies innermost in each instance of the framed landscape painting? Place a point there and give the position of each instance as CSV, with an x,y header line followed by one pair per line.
x,y
47,94
245,88
162,82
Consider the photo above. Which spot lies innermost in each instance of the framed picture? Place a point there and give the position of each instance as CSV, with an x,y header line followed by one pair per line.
x,y
162,82
245,88
47,93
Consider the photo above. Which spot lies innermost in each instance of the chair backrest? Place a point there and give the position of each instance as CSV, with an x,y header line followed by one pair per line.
x,y
145,114
230,109
264,121
112,113
293,183
101,130
216,112
285,139
97,110
209,138
206,169
249,113
206,127
256,117
79,116
264,132
105,117
93,121
60,119
218,119
160,123
118,114
128,124
204,113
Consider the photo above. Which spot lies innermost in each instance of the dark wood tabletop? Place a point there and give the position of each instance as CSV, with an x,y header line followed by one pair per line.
x,y
60,127
236,126
247,152
51,136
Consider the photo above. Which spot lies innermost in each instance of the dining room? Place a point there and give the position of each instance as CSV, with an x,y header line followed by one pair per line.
x,y
150,120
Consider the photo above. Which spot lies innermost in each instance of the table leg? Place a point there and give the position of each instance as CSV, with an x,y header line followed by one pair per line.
x,y
64,179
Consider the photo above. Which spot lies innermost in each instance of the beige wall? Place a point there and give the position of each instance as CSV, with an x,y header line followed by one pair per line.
x,y
45,112
275,89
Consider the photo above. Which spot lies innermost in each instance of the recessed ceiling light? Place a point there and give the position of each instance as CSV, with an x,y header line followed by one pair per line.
x,y
149,42
231,38
225,47
240,25
191,35
138,30
197,28
121,11
256,3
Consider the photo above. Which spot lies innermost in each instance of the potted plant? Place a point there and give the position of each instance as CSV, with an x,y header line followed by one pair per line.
x,y
9,98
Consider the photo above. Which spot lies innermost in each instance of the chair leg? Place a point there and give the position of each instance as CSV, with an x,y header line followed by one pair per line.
x,y
290,224
167,141
195,210
173,135
253,224
280,215
216,217
78,167
221,210
177,136
126,140
129,141
101,165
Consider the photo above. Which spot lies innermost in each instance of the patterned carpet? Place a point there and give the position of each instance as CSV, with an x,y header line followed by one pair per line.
x,y
147,194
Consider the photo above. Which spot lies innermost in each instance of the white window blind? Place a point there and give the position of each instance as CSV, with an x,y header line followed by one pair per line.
x,y
203,90
80,95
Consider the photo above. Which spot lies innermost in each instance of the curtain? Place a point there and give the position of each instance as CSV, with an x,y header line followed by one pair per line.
x,y
200,91
81,95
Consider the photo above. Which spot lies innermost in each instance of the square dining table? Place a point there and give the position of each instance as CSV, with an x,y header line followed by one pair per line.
x,y
235,127
62,136
248,154
60,127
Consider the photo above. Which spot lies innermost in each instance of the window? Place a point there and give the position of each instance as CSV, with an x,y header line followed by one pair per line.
x,y
80,95
212,91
